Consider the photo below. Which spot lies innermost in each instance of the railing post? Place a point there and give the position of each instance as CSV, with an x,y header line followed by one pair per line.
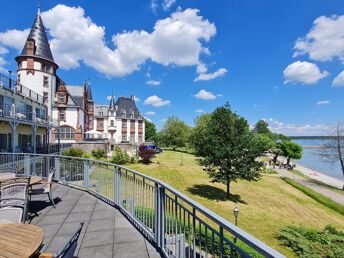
x,y
221,242
156,215
117,186
57,169
162,217
27,165
86,174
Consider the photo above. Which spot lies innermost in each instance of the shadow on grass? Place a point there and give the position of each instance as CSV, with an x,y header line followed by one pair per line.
x,y
214,193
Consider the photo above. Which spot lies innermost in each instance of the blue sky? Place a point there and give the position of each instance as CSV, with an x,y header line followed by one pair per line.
x,y
277,60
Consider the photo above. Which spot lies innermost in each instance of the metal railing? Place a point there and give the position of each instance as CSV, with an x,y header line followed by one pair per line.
x,y
178,225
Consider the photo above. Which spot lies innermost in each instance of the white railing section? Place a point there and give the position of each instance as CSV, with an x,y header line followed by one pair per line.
x,y
178,225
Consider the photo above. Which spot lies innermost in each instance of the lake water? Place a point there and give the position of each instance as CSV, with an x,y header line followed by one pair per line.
x,y
312,160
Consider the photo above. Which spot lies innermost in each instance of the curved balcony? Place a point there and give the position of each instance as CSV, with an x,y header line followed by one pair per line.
x,y
176,225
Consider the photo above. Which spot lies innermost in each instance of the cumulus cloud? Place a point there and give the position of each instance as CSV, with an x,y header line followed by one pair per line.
x,y
155,101
163,120
304,72
339,80
324,41
109,97
323,102
176,40
152,82
201,68
151,113
136,99
146,118
199,111
210,76
300,130
205,95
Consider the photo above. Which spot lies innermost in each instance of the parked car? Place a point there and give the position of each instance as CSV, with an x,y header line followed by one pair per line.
x,y
155,148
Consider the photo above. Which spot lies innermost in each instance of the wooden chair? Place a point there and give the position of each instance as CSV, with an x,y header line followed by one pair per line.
x,y
45,188
67,251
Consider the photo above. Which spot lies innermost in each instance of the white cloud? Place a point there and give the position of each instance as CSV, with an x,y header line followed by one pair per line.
x,y
155,101
324,41
154,5
304,72
339,80
176,40
201,68
148,119
199,111
151,113
255,105
300,130
3,50
166,4
163,120
205,95
109,97
210,76
152,82
219,95
136,99
323,102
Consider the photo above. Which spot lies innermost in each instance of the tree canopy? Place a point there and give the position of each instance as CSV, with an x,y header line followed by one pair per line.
x,y
290,150
175,133
226,148
261,127
150,131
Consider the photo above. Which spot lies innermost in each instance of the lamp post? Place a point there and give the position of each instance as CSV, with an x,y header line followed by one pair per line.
x,y
236,214
10,84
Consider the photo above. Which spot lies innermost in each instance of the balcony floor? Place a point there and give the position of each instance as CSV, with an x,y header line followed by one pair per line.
x,y
106,232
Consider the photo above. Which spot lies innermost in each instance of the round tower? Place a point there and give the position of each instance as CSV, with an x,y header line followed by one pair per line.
x,y
36,66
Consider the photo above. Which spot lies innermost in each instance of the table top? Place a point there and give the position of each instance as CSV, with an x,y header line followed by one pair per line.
x,y
19,240
35,180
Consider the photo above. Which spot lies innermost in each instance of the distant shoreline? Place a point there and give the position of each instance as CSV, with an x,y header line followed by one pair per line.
x,y
314,147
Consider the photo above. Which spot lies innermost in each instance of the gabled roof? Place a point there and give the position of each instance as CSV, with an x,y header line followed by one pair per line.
x,y
127,104
89,93
38,34
77,94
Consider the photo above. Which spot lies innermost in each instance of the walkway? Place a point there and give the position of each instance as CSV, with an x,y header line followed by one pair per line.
x,y
106,232
339,198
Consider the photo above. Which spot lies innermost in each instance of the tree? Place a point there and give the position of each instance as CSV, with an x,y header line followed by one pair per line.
x,y
333,150
261,127
227,151
150,131
290,150
197,134
146,154
263,143
175,133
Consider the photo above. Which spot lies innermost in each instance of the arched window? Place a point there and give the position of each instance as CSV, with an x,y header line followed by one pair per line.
x,y
66,133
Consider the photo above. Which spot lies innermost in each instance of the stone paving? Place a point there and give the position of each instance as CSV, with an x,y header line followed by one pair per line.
x,y
106,232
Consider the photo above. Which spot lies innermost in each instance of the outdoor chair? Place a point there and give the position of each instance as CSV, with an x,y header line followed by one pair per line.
x,y
14,193
44,188
7,175
67,251
12,214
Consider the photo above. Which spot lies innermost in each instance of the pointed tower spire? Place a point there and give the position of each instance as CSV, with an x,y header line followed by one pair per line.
x,y
132,97
37,44
89,92
112,102
39,9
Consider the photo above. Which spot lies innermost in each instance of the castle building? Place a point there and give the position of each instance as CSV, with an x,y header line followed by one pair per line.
x,y
73,107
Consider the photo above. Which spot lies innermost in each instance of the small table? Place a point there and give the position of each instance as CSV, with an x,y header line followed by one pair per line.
x,y
19,240
35,180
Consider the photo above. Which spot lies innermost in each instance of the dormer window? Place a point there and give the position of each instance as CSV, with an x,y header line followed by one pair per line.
x,y
140,115
131,114
123,113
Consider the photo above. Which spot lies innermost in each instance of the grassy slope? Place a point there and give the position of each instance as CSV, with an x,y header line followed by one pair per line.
x,y
266,205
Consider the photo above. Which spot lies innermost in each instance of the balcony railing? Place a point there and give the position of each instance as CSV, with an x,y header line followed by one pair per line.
x,y
18,88
178,225
14,112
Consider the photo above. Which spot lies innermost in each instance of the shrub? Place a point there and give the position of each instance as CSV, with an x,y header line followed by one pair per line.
x,y
120,157
146,154
307,242
99,154
72,152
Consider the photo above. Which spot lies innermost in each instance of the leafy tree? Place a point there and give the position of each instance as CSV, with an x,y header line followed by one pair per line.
x,y
175,133
261,127
150,131
263,143
146,154
197,134
290,150
99,154
227,151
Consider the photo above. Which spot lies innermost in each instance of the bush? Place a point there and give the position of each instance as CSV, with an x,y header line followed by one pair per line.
x,y
307,242
146,154
99,154
73,152
121,158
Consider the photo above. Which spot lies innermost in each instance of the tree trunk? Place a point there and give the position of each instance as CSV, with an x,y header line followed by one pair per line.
x,y
288,160
275,158
227,193
340,156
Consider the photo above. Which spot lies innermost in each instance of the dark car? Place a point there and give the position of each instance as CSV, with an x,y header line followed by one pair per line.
x,y
155,148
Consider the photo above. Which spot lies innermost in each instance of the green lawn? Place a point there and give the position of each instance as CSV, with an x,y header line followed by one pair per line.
x,y
265,206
